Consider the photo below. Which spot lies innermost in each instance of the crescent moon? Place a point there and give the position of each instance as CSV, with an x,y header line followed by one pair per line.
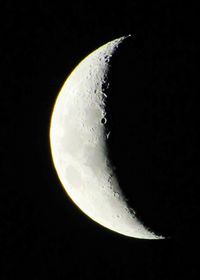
x,y
79,149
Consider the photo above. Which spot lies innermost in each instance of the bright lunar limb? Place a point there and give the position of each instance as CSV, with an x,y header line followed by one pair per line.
x,y
78,145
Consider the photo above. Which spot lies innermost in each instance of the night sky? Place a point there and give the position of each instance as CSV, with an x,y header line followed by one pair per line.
x,y
153,115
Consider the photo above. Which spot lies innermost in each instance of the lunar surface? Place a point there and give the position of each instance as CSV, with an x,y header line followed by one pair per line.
x,y
78,139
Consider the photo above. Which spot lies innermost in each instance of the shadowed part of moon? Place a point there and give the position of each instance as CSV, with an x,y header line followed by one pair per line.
x,y
151,143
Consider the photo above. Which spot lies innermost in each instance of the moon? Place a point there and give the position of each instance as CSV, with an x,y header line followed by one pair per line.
x,y
78,141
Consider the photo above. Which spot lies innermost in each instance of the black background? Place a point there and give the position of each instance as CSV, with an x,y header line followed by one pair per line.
x,y
153,116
